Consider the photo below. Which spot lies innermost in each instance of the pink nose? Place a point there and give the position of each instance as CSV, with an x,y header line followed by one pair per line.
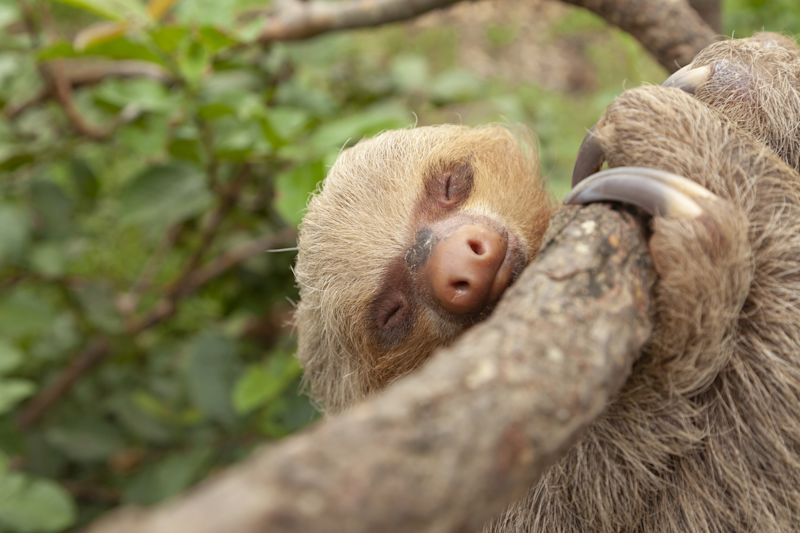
x,y
464,269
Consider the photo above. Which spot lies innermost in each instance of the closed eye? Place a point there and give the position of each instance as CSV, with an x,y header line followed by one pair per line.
x,y
451,186
393,317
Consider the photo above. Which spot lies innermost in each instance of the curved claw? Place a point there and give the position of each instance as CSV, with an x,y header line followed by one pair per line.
x,y
655,191
688,78
590,158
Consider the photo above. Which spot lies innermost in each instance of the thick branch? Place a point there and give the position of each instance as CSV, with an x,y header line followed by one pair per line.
x,y
710,11
670,30
448,447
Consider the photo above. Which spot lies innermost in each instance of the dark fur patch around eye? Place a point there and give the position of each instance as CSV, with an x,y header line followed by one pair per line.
x,y
392,311
418,253
449,186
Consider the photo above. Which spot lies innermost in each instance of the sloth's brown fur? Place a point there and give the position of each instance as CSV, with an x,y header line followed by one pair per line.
x,y
361,218
705,435
755,82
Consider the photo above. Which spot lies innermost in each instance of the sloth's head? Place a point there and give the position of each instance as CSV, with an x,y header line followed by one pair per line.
x,y
412,238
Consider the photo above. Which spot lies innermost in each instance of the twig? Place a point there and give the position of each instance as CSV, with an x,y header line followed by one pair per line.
x,y
99,348
61,89
81,73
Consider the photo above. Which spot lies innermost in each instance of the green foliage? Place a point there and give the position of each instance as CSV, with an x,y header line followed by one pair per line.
x,y
119,231
744,17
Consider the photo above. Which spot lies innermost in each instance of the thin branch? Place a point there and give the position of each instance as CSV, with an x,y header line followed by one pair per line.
x,y
301,20
226,200
450,446
98,349
79,73
62,90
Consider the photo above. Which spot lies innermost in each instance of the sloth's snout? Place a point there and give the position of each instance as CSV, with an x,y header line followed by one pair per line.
x,y
467,270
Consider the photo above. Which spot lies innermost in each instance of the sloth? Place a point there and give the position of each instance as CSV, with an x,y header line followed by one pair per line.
x,y
754,82
416,233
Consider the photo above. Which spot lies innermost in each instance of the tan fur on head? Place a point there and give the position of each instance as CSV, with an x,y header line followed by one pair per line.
x,y
756,84
361,218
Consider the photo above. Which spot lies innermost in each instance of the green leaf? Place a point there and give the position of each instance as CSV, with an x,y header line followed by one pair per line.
x,y
252,390
8,14
19,157
86,440
349,129
139,422
97,300
292,189
410,73
193,62
166,477
48,260
145,94
455,86
10,357
53,208
207,12
215,40
57,50
280,125
25,314
29,504
13,391
164,194
169,38
211,372
121,10
124,47
14,232
261,384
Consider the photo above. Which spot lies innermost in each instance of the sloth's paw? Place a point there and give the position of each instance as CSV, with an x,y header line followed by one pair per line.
x,y
699,249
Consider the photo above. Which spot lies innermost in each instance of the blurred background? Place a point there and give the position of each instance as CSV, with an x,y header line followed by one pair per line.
x,y
154,164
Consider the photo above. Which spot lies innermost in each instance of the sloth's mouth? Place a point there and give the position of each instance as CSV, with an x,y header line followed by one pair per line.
x,y
509,270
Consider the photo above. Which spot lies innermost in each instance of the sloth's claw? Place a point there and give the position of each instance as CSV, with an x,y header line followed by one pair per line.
x,y
688,78
657,192
590,158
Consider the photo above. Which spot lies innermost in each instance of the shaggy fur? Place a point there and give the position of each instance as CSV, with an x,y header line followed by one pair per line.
x,y
705,435
755,82
360,219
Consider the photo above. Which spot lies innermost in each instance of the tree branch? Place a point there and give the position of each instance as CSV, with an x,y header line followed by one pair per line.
x,y
82,72
450,446
300,20
710,11
671,30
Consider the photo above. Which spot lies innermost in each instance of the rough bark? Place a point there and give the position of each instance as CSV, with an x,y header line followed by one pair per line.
x,y
451,445
670,30
710,11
